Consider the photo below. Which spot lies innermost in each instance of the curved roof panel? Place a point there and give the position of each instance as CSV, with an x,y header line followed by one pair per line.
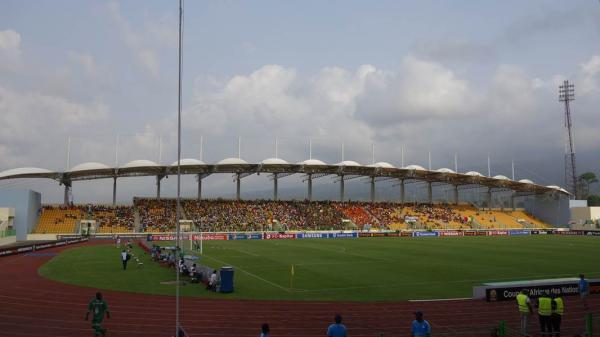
x,y
526,181
140,163
500,177
348,163
189,162
232,161
274,161
383,164
415,168
23,171
89,166
312,162
445,170
474,174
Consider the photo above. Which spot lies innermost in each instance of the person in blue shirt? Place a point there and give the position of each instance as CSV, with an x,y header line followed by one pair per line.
x,y
337,329
264,330
584,290
420,327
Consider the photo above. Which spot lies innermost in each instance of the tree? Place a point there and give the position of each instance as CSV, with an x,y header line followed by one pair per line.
x,y
593,200
585,180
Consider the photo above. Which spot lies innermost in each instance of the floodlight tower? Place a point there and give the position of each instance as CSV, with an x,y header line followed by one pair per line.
x,y
566,94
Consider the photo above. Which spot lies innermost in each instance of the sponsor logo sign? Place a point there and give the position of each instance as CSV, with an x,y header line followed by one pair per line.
x,y
343,235
451,233
277,236
419,234
496,233
245,236
518,232
562,289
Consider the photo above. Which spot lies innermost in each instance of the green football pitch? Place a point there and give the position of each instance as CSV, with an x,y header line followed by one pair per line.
x,y
365,269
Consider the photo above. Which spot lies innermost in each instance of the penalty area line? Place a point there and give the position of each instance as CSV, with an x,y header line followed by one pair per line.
x,y
443,299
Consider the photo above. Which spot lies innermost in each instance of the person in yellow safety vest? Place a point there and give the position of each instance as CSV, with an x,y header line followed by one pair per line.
x,y
545,312
525,309
558,310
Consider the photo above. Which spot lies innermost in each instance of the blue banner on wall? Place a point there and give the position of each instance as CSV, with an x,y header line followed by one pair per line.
x,y
326,235
518,232
245,236
426,234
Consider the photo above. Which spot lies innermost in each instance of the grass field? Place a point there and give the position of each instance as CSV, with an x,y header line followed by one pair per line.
x,y
366,269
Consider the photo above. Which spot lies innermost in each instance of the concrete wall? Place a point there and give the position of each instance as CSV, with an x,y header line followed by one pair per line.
x,y
583,214
552,209
27,205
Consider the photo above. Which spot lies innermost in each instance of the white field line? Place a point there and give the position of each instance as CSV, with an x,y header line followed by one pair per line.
x,y
250,274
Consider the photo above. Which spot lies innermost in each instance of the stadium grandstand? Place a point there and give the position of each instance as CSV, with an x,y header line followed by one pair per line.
x,y
158,214
153,216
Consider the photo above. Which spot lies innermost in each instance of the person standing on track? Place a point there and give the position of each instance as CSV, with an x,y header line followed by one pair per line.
x,y
264,330
584,290
98,308
337,329
545,313
420,327
525,309
558,310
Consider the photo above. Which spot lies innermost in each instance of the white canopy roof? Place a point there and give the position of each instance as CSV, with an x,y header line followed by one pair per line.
x,y
348,163
89,166
474,174
140,163
445,170
501,177
23,170
274,161
526,181
415,167
232,161
189,162
382,164
312,162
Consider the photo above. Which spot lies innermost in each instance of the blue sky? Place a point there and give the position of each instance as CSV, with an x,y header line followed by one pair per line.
x,y
467,77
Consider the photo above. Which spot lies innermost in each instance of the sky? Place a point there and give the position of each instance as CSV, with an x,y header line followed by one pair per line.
x,y
471,78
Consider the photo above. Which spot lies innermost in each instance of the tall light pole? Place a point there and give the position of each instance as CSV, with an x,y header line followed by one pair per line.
x,y
177,205
566,94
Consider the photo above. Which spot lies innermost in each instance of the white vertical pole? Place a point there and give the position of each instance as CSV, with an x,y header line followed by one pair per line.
x,y
201,147
489,167
117,152
402,156
342,151
513,169
309,148
239,147
276,145
372,153
68,153
159,149
429,156
455,162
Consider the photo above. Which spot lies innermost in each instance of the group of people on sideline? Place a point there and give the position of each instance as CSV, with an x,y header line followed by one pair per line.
x,y
550,309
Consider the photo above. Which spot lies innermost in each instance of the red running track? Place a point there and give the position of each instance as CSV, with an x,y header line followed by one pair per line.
x,y
31,305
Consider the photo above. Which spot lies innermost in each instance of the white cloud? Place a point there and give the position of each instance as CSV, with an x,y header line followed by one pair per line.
x,y
30,123
590,75
10,49
419,90
86,61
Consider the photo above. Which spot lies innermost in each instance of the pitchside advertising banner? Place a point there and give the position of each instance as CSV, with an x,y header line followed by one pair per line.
x,y
40,246
562,289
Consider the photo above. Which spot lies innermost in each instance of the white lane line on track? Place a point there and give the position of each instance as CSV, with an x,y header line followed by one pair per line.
x,y
443,299
250,274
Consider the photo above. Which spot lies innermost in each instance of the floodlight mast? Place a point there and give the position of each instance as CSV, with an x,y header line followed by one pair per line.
x,y
566,94
177,206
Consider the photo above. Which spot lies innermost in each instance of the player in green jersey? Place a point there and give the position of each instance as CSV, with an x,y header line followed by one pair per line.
x,y
98,308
